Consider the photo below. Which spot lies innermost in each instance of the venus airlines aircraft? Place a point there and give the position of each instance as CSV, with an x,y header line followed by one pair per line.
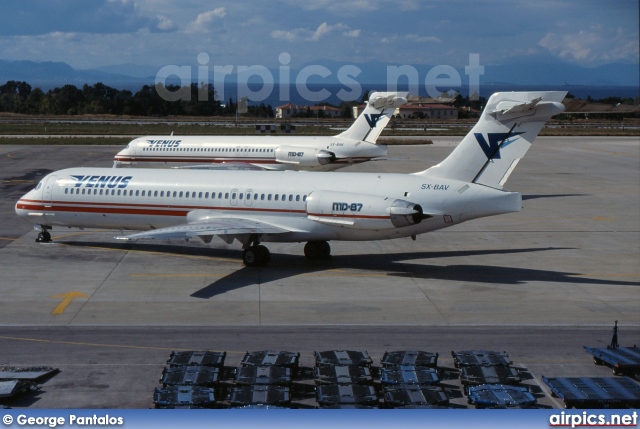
x,y
255,207
322,153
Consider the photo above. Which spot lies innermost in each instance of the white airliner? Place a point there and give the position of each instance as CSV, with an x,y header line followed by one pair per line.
x,y
291,206
320,153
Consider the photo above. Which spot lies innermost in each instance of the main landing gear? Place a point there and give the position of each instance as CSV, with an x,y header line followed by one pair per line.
x,y
255,255
317,250
43,235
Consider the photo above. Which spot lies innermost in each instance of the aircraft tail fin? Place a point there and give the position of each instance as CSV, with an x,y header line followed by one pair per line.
x,y
507,127
380,108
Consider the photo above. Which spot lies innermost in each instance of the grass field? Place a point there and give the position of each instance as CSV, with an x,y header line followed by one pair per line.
x,y
118,131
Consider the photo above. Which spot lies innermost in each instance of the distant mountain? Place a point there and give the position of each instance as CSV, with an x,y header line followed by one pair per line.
x,y
47,75
548,70
538,70
133,70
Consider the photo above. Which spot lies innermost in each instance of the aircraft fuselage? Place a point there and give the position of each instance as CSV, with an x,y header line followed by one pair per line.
x,y
311,206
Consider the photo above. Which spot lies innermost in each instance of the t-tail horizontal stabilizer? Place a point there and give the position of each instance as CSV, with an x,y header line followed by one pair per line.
x,y
508,126
380,108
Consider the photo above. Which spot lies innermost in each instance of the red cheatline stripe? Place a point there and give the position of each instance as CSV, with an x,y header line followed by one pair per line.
x,y
221,160
163,210
151,206
141,209
348,216
191,159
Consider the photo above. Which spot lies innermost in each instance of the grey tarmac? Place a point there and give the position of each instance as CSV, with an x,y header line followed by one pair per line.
x,y
538,284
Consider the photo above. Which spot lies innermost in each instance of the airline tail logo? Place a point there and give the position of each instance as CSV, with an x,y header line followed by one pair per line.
x,y
492,148
372,119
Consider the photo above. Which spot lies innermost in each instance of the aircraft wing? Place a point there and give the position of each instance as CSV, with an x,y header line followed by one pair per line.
x,y
211,226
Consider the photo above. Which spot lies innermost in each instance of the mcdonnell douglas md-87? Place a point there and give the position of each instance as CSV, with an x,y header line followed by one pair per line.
x,y
259,206
322,153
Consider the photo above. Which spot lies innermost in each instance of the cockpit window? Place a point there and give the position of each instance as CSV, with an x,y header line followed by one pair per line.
x,y
39,186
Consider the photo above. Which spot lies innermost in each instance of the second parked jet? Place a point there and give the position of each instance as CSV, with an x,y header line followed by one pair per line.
x,y
318,153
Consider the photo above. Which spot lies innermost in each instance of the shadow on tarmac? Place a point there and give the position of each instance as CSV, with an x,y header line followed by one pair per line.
x,y
394,264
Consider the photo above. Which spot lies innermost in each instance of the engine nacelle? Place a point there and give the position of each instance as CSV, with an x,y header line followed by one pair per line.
x,y
304,156
362,211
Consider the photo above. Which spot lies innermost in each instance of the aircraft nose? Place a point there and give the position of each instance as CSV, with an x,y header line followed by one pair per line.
x,y
21,207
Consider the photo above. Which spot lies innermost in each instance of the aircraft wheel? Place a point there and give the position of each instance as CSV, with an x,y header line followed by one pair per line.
x,y
250,257
264,256
325,250
311,251
256,256
317,250
43,237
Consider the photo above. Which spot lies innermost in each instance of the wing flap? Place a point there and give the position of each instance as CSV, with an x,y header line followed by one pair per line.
x,y
209,227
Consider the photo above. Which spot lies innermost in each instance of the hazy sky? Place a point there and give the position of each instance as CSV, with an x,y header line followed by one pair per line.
x,y
94,33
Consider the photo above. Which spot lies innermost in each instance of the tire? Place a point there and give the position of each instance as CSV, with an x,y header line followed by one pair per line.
x,y
317,250
250,257
324,250
264,256
311,250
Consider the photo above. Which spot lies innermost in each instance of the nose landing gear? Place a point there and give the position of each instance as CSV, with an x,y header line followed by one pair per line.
x,y
43,235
